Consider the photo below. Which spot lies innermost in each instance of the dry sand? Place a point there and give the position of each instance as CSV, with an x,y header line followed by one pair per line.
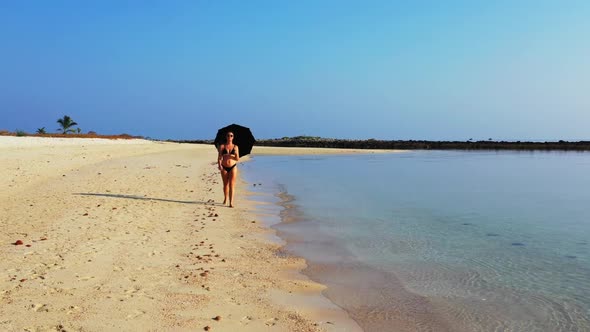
x,y
129,235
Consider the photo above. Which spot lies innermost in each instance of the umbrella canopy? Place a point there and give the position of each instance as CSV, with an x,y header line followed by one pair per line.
x,y
243,138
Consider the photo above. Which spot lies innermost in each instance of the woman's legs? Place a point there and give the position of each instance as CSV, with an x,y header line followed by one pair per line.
x,y
225,178
232,176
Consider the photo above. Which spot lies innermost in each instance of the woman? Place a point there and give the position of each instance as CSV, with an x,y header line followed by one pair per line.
x,y
227,159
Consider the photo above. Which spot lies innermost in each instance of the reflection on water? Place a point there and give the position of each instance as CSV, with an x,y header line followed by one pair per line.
x,y
435,241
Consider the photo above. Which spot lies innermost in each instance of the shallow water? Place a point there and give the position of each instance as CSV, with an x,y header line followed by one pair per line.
x,y
440,240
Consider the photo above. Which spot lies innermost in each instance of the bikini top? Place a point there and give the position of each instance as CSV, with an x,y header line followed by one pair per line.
x,y
231,152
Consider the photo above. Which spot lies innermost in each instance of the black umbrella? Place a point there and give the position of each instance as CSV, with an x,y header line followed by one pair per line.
x,y
243,138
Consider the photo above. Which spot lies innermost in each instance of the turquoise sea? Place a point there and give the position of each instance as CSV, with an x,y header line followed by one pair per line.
x,y
439,240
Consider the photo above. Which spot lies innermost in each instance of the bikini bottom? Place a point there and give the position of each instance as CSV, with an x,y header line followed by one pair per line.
x,y
228,169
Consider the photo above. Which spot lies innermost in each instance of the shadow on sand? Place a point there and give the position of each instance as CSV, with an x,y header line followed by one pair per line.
x,y
142,198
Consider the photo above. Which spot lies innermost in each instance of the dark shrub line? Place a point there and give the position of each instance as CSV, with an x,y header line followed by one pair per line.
x,y
316,142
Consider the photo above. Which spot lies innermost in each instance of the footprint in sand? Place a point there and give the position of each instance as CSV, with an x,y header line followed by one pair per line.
x,y
73,309
136,313
271,322
246,319
40,307
133,291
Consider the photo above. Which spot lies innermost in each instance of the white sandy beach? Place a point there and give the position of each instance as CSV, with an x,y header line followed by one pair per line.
x,y
130,235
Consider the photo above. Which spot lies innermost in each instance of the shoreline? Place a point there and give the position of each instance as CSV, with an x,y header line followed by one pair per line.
x,y
394,305
381,259
337,279
310,300
130,235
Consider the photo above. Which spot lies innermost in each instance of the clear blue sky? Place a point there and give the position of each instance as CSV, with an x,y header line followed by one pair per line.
x,y
348,69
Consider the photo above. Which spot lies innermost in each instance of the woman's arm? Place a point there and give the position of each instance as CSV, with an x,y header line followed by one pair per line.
x,y
236,155
219,157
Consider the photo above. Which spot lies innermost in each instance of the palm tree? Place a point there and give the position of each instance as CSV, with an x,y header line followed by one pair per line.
x,y
66,122
41,130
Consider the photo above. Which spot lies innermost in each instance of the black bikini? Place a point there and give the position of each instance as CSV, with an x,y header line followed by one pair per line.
x,y
231,152
228,169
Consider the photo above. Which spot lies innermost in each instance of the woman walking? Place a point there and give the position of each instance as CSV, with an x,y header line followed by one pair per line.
x,y
227,160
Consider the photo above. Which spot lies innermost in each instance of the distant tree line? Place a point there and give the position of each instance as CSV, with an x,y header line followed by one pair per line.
x,y
65,130
318,142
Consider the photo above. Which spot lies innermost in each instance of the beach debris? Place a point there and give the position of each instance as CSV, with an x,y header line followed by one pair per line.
x,y
85,214
43,239
27,245
253,221
18,242
207,328
217,318
23,280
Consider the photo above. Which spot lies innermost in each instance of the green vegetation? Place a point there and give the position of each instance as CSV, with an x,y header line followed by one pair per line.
x,y
489,144
66,131
305,138
318,142
66,124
